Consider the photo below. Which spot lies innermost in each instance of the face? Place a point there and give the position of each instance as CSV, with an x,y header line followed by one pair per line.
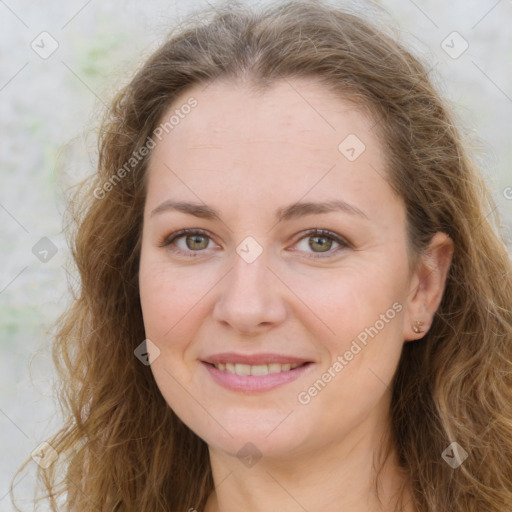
x,y
296,255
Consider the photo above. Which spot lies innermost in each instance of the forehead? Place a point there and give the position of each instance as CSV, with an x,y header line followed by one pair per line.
x,y
295,138
289,112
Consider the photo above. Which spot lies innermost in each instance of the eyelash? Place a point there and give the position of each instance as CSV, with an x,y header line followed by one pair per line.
x,y
168,241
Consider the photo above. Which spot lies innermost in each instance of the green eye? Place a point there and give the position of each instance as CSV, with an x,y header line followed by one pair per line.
x,y
196,241
320,242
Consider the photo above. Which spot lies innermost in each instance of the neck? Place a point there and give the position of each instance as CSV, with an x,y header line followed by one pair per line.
x,y
339,476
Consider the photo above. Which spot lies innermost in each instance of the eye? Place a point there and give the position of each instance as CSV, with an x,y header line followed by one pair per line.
x,y
321,241
189,241
194,240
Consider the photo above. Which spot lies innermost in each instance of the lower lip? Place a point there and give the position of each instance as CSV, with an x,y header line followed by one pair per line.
x,y
255,383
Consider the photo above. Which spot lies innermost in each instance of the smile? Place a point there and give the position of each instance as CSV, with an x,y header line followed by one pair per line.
x,y
255,378
256,369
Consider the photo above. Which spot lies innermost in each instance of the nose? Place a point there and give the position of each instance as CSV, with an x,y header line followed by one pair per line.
x,y
250,299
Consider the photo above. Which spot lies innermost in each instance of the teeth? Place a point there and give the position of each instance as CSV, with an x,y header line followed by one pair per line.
x,y
242,369
274,368
259,369
256,369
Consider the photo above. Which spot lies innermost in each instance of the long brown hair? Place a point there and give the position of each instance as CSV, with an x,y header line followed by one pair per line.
x,y
122,448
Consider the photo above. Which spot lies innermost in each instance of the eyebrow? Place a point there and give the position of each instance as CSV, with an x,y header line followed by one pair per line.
x,y
292,211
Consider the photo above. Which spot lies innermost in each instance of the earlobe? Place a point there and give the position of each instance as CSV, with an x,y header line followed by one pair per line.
x,y
429,284
417,326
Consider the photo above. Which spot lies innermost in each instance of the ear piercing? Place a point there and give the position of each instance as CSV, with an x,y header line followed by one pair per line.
x,y
416,326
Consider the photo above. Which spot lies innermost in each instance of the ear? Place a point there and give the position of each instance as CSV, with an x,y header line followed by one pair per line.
x,y
427,286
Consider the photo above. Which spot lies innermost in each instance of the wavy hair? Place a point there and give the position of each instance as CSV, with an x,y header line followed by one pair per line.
x,y
122,448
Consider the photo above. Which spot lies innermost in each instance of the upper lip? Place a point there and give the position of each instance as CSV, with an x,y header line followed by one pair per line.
x,y
253,359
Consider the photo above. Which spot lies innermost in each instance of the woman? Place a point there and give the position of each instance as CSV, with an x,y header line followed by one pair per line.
x,y
292,295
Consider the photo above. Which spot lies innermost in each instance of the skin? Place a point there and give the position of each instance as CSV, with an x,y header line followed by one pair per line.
x,y
283,149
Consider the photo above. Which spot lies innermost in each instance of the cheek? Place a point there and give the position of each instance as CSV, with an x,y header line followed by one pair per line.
x,y
158,297
365,315
174,305
167,302
168,297
343,302
362,308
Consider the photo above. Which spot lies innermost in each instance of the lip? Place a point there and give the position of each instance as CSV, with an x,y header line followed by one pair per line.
x,y
255,383
253,359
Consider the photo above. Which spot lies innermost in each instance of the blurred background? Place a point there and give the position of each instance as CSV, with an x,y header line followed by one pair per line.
x,y
60,63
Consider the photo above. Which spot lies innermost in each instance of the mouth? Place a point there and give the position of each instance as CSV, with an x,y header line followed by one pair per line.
x,y
255,373
256,369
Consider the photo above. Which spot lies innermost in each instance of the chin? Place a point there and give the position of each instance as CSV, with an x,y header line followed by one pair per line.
x,y
257,445
258,434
